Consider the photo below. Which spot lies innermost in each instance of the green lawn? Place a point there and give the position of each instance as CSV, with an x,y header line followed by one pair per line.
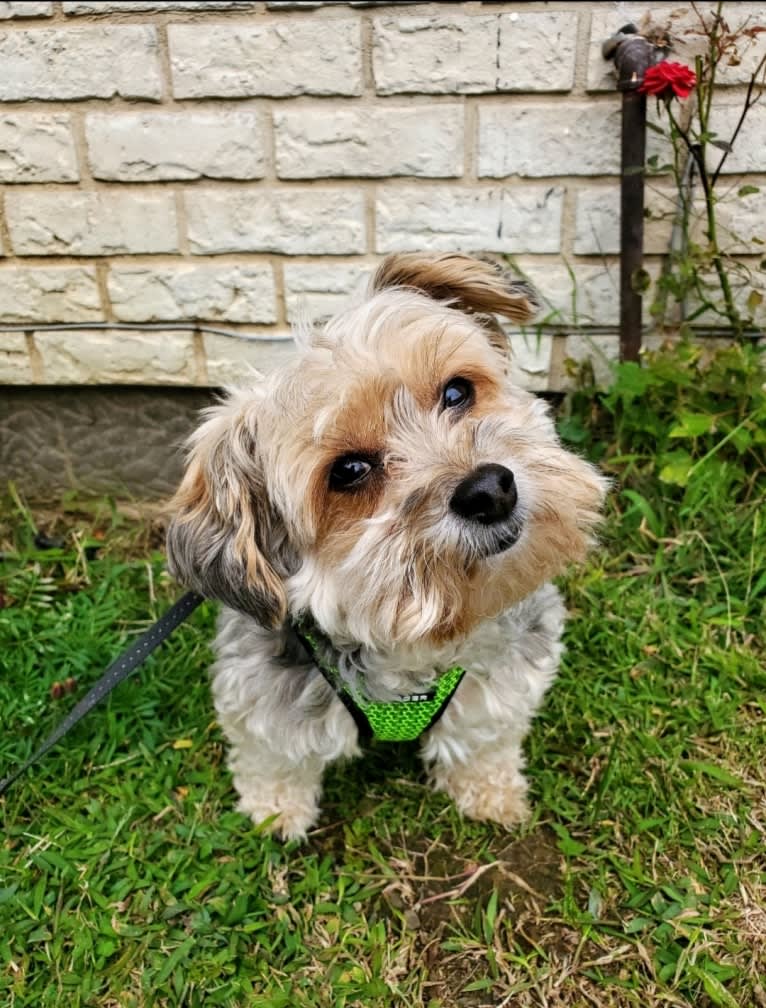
x,y
126,878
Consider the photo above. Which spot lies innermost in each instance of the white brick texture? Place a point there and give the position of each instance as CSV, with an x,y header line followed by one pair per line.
x,y
316,290
155,146
536,51
235,60
749,152
597,219
498,219
37,148
88,357
325,140
15,365
232,361
463,54
155,6
90,223
245,164
539,140
104,61
49,294
25,9
576,295
295,222
158,293
435,53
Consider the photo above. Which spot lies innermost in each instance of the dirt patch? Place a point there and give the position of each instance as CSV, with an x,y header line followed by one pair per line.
x,y
441,897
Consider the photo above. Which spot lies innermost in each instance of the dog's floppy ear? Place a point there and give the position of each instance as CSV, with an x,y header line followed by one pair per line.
x,y
475,286
223,529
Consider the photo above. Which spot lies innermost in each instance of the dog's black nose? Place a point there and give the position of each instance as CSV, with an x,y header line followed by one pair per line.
x,y
487,495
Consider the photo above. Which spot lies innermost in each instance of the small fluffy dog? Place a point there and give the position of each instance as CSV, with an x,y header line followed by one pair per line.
x,y
393,488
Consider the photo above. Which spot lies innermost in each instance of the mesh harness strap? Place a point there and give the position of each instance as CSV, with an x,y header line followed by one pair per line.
x,y
402,720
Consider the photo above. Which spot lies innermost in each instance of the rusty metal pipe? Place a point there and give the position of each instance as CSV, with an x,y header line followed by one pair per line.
x,y
632,54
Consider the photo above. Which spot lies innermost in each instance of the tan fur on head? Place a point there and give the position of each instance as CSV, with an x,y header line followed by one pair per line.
x,y
473,285
389,562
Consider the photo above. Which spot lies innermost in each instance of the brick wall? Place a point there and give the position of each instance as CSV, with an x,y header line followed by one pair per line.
x,y
240,164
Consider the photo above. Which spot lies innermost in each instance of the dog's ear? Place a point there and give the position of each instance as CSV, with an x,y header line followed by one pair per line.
x,y
223,529
475,286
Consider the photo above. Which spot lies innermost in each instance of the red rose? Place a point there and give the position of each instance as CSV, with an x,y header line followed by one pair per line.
x,y
668,79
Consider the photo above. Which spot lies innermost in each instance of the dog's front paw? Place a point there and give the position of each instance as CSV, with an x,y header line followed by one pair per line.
x,y
289,818
499,796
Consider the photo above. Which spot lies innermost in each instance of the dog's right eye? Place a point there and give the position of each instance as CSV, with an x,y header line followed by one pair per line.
x,y
349,472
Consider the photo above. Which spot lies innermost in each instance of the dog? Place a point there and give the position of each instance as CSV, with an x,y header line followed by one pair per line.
x,y
392,489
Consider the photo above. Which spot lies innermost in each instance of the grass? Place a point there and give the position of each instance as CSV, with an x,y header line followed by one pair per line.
x,y
127,880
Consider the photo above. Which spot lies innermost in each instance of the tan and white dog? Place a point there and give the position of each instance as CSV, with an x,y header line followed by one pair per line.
x,y
393,486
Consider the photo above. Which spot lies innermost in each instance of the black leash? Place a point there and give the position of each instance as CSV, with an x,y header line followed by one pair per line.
x,y
120,669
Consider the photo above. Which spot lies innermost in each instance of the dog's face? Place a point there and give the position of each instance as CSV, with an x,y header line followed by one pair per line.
x,y
392,481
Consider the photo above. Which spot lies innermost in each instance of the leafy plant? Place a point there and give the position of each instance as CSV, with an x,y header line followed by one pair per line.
x,y
698,157
692,417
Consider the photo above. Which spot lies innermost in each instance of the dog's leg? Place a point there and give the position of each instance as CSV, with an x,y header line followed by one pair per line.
x,y
489,786
273,788
474,752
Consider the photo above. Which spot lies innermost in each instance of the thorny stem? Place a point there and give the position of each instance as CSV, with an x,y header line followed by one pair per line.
x,y
697,151
696,145
749,102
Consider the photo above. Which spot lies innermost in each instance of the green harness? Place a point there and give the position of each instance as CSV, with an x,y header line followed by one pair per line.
x,y
400,720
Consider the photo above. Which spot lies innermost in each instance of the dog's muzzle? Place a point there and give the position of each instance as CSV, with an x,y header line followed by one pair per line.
x,y
487,497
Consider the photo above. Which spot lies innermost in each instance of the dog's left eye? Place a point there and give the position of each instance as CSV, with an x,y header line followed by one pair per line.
x,y
457,392
349,472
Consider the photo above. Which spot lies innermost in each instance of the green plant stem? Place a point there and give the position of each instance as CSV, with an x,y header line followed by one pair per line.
x,y
697,151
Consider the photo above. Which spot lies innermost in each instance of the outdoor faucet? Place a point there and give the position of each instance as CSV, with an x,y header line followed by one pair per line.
x,y
632,54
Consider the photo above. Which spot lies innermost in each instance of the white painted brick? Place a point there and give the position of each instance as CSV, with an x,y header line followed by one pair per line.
x,y
102,61
293,221
531,360
603,352
49,294
37,148
159,293
580,295
153,146
536,51
554,139
91,223
597,219
443,218
15,365
682,23
242,362
435,53
315,291
28,9
319,141
99,357
128,6
743,282
234,59
749,153
741,221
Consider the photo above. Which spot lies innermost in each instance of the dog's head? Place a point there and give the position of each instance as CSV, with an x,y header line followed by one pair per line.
x,y
391,480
